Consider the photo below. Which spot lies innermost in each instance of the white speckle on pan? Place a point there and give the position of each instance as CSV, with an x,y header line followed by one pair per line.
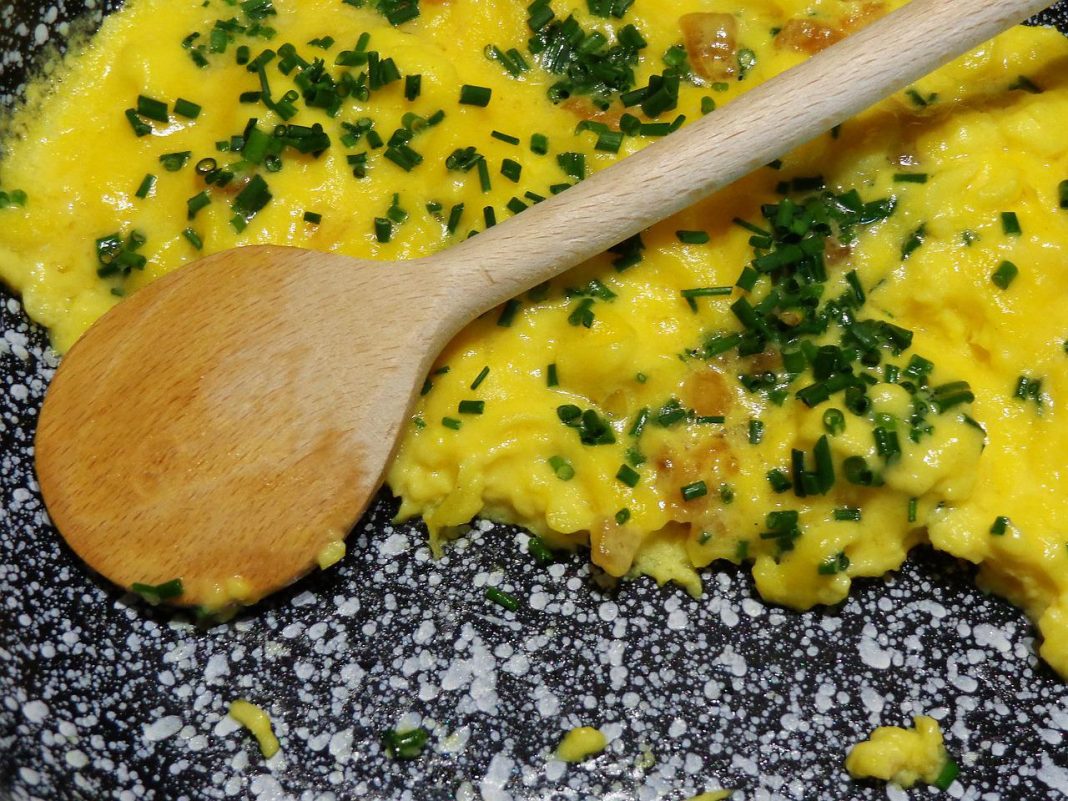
x,y
498,776
35,711
163,728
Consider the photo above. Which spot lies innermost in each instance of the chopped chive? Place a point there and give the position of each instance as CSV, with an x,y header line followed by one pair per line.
x,y
914,240
947,775
726,493
508,313
833,565
1010,223
1004,274
196,203
314,218
694,491
622,516
413,85
475,95
756,432
154,593
193,238
693,237
471,407
406,744
913,509
551,378
628,475
140,127
455,213
834,422
539,143
383,229
186,108
490,216
1025,84
483,175
690,295
1062,193
562,468
573,164
910,178
480,378
609,141
502,599
511,170
172,162
512,140
451,422
148,183
1001,525
153,109
850,513
537,548
779,481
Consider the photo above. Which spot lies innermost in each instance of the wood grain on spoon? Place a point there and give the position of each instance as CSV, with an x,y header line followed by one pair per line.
x,y
227,422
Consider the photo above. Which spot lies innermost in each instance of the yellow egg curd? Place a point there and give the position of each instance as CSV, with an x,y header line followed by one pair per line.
x,y
904,756
852,351
258,723
581,743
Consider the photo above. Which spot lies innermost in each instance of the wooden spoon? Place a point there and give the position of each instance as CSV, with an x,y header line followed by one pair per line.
x,y
226,423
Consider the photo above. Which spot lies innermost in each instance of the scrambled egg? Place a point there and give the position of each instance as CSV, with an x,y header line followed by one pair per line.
x,y
258,723
581,743
846,354
904,756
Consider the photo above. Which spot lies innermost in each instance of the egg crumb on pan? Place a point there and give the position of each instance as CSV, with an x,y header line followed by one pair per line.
x,y
258,722
904,756
581,743
852,351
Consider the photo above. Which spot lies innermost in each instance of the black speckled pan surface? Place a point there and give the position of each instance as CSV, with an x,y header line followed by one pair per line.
x,y
103,698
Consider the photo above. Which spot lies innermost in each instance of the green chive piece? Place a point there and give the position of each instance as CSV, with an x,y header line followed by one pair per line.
x,y
1001,525
314,218
148,183
833,565
140,127
756,431
480,378
562,468
622,516
152,108
511,170
910,178
196,203
779,481
726,493
471,407
451,422
512,140
834,422
413,85
508,313
913,509
694,491
551,378
693,237
537,548
947,775
628,475
850,513
155,593
194,238
383,229
1005,274
502,599
172,162
406,744
539,143
1010,223
475,95
186,108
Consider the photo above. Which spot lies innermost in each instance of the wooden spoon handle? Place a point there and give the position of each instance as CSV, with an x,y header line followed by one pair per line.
x,y
764,123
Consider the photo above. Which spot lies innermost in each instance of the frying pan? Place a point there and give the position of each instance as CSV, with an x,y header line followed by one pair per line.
x,y
102,697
